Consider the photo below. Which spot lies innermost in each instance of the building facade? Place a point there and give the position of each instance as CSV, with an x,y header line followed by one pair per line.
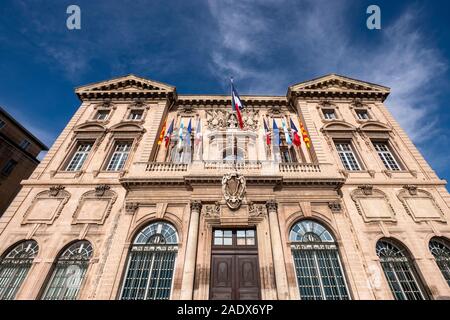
x,y
18,157
148,194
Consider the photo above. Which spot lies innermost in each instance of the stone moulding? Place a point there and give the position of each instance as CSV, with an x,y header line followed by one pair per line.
x,y
411,196
55,194
95,197
369,202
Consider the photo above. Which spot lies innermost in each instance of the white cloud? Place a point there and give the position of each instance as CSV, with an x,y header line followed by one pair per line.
x,y
319,41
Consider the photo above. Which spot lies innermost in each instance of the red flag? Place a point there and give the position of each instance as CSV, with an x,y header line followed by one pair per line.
x,y
237,105
296,140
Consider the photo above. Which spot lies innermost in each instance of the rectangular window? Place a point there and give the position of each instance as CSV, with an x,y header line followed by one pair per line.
x,y
362,114
245,237
329,114
119,156
24,144
136,115
386,156
2,123
223,237
347,156
102,115
9,167
80,155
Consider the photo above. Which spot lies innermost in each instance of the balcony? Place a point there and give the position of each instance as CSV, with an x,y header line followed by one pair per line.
x,y
215,169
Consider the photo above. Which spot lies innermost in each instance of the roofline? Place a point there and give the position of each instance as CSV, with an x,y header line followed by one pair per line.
x,y
339,75
28,133
119,77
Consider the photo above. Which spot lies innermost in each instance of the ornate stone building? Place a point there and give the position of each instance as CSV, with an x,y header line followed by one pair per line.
x,y
116,211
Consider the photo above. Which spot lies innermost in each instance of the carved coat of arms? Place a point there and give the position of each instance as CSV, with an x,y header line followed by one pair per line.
x,y
233,188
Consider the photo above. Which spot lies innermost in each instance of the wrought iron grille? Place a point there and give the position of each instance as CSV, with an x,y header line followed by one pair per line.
x,y
441,252
317,263
400,272
14,268
151,264
69,272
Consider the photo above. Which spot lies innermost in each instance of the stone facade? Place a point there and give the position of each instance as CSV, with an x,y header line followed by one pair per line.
x,y
109,208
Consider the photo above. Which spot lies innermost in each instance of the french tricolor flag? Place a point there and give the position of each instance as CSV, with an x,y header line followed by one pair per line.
x,y
236,104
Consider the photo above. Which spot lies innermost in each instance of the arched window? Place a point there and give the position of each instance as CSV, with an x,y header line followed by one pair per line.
x,y
151,263
69,272
399,270
440,249
317,264
14,267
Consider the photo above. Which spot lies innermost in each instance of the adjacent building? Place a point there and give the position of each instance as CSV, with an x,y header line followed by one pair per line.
x,y
18,157
150,194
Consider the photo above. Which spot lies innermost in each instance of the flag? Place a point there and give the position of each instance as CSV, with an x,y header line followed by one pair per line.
x,y
198,133
237,105
266,133
180,137
276,134
296,139
163,131
188,133
168,135
305,135
286,133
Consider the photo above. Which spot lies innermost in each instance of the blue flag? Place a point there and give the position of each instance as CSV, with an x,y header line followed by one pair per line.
x,y
276,134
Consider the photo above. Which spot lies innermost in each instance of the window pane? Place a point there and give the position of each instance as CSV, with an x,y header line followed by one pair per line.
x,y
241,241
227,241
241,233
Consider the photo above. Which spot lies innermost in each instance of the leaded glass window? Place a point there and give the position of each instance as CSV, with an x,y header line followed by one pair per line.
x,y
399,271
151,264
14,267
440,249
347,156
386,156
317,263
69,272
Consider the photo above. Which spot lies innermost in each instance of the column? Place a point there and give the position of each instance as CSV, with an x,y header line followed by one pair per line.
x,y
277,251
187,284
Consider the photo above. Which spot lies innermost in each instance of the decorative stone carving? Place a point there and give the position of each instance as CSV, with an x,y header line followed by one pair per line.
x,y
196,205
212,210
233,188
54,190
335,206
271,206
420,204
218,119
373,204
411,189
255,210
95,206
47,206
366,189
101,189
131,207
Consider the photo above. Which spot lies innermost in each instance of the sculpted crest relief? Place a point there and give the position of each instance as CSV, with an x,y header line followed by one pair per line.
x,y
233,188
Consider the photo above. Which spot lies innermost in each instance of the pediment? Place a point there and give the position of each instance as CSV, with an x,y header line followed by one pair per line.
x,y
339,126
373,126
127,86
127,127
339,86
90,127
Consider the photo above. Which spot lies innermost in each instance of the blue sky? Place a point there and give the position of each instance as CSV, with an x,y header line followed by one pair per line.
x,y
196,45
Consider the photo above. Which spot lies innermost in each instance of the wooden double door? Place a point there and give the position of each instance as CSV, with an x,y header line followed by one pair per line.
x,y
234,265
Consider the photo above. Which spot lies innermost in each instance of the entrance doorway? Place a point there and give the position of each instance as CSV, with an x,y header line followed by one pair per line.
x,y
234,265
